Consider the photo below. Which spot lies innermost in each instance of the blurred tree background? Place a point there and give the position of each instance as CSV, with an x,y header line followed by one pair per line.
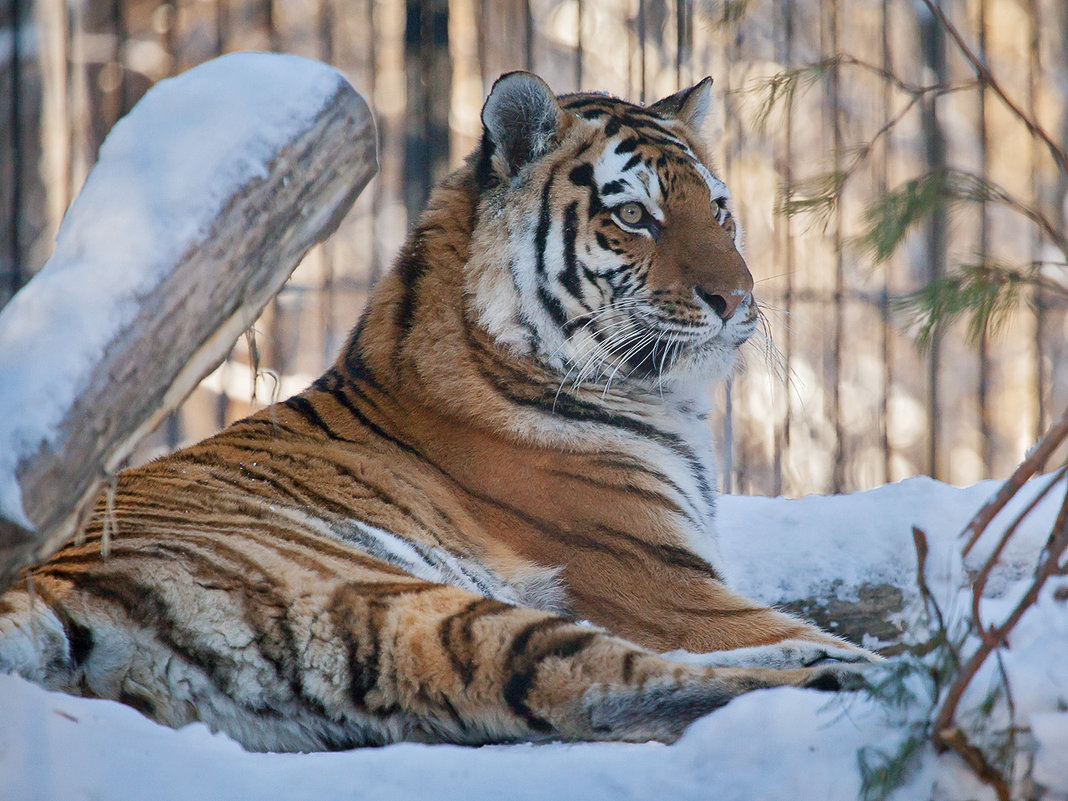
x,y
882,188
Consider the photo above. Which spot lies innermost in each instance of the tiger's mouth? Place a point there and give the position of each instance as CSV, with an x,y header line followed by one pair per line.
x,y
667,340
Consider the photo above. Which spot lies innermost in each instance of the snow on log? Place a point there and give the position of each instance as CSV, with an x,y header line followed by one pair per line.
x,y
203,201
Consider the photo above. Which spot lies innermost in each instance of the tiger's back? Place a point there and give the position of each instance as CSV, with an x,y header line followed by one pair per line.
x,y
511,441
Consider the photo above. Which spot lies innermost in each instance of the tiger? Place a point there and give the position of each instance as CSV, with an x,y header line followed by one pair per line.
x,y
493,518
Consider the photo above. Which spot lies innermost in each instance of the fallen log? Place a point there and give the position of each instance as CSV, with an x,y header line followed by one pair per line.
x,y
203,201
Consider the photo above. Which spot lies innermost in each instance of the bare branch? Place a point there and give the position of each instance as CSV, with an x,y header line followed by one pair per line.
x,y
987,77
1049,565
1036,458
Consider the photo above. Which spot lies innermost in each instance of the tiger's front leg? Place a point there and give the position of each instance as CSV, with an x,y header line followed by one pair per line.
x,y
687,609
475,670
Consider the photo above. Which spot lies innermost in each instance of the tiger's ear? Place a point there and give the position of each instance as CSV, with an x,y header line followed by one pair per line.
x,y
521,119
690,106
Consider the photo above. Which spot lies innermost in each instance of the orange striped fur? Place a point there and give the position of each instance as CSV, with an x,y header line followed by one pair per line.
x,y
494,511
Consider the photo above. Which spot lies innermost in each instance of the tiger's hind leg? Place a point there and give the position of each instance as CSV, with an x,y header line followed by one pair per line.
x,y
471,669
350,663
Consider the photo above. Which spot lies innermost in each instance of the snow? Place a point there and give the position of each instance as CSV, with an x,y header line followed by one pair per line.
x,y
776,745
163,175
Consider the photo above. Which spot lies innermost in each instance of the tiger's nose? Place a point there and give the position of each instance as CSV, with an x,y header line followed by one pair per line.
x,y
724,304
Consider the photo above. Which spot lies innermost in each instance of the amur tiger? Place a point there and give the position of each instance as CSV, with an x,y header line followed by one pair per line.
x,y
488,520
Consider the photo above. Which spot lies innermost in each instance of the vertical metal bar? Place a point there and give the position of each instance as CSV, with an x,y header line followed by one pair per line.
x,y
528,21
735,460
273,41
122,33
482,42
578,49
1039,298
782,451
728,437
172,426
641,46
222,26
838,475
882,181
986,426
14,278
680,40
932,40
378,188
222,32
327,23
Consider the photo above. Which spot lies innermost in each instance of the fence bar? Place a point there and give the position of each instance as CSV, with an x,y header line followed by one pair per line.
x,y
882,182
14,278
986,424
934,54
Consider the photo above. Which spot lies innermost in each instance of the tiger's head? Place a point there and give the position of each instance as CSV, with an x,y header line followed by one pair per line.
x,y
604,244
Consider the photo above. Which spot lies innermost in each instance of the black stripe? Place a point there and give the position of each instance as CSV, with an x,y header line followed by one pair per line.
x,y
411,266
79,637
553,306
551,402
526,661
356,368
628,145
457,638
541,234
146,607
570,277
305,409
632,162
582,175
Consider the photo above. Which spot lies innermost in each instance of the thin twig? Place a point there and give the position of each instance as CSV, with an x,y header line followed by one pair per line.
x,y
957,741
919,540
992,559
1036,458
1048,566
987,77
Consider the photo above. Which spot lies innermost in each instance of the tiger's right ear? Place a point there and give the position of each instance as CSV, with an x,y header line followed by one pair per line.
x,y
521,118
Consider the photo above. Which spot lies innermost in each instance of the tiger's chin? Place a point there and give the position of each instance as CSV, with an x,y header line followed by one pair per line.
x,y
690,368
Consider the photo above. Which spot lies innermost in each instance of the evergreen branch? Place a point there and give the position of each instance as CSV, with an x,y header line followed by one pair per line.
x,y
817,196
988,293
893,216
782,87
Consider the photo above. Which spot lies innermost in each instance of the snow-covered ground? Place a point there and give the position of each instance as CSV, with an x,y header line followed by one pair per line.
x,y
779,744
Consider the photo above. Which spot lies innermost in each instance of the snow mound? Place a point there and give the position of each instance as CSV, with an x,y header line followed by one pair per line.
x,y
775,745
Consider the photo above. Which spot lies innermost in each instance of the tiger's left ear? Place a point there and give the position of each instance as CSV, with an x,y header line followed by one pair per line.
x,y
690,106
521,119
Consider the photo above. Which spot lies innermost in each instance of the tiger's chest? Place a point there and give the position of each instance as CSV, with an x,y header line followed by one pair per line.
x,y
525,524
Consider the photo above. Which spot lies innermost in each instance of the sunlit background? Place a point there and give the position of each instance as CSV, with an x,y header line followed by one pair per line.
x,y
844,401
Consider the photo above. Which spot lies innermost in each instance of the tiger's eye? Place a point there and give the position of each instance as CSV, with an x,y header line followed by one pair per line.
x,y
631,213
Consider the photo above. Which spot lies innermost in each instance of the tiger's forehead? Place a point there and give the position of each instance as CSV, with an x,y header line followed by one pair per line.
x,y
643,155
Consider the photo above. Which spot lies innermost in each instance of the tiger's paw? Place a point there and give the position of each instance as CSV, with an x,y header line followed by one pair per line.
x,y
841,677
785,655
